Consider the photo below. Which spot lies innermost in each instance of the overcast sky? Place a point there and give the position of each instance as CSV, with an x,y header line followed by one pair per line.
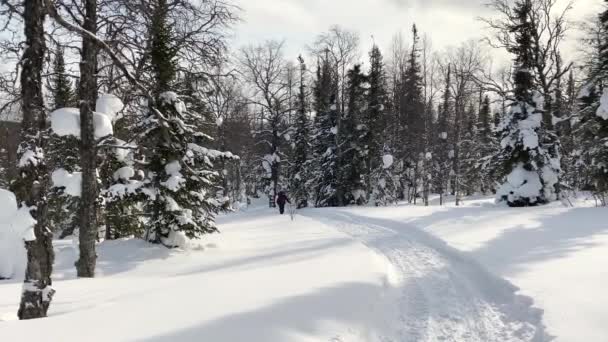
x,y
446,22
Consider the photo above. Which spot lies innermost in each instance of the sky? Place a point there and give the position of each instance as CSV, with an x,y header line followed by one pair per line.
x,y
446,22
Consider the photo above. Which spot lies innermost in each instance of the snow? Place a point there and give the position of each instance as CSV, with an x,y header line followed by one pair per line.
x,y
334,130
351,274
16,226
110,105
66,122
602,111
387,161
521,184
170,97
176,180
71,182
103,125
30,157
124,173
264,276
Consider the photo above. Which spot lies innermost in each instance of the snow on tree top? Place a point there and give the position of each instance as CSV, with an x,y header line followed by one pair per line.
x,y
30,157
602,111
521,183
66,122
109,105
71,182
388,160
124,173
214,154
171,98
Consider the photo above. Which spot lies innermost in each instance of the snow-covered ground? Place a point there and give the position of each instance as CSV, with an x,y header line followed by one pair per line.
x,y
342,275
556,255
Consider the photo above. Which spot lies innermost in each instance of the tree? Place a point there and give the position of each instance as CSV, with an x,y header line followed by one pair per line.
x,y
61,86
33,181
264,68
181,185
352,166
325,177
375,118
302,146
532,172
591,131
62,151
443,161
89,197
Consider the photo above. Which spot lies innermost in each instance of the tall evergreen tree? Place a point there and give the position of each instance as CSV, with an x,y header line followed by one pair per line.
x,y
326,178
413,120
162,52
63,151
302,145
61,87
180,185
354,140
591,156
532,172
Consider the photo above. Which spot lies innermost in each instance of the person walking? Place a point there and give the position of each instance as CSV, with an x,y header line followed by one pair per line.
x,y
281,200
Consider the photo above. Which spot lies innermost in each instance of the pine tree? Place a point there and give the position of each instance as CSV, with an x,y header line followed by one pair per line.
x,y
591,132
326,181
352,168
380,178
63,152
413,108
485,146
163,52
61,87
298,184
180,185
532,172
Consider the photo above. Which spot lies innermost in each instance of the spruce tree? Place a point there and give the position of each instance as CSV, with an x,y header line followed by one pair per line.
x,y
180,185
485,147
325,177
62,90
63,151
377,140
298,184
413,107
591,132
532,172
354,140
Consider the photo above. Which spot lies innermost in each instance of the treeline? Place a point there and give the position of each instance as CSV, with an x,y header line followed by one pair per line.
x,y
353,128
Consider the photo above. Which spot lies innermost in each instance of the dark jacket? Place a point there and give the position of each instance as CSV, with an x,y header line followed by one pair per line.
x,y
282,198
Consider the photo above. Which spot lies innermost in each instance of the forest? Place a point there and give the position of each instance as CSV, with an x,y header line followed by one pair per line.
x,y
141,119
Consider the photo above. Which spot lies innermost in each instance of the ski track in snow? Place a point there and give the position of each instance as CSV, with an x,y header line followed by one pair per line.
x,y
437,293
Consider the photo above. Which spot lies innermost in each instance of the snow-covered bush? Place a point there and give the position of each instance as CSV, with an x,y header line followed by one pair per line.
x,y
16,226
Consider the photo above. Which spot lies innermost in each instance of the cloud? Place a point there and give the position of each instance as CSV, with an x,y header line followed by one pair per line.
x,y
446,22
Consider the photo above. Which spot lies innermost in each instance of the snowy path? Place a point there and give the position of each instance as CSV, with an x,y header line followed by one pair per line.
x,y
556,255
436,292
331,275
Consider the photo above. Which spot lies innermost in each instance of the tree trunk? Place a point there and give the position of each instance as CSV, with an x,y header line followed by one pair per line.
x,y
32,183
85,266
